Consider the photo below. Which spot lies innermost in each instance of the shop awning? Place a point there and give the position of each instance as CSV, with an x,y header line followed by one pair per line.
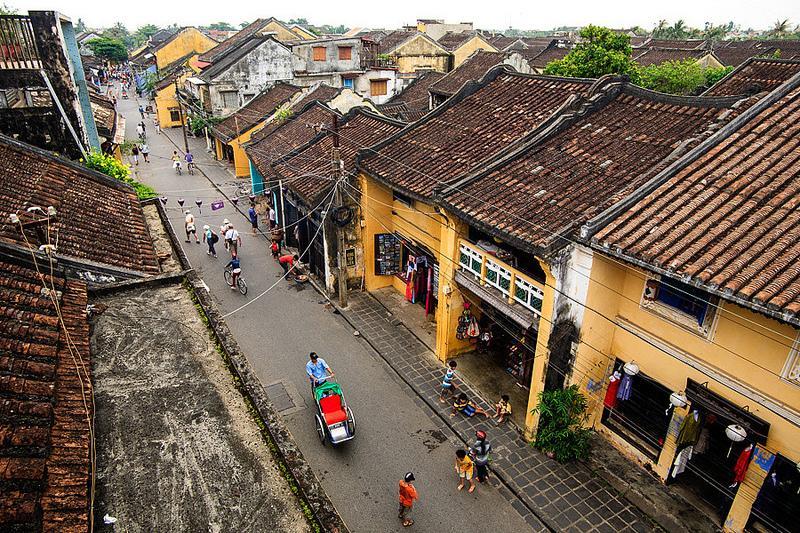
x,y
520,315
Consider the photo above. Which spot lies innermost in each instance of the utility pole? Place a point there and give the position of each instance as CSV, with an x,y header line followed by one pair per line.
x,y
180,114
337,176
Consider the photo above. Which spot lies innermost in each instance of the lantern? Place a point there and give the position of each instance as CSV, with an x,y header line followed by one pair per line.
x,y
252,197
199,202
163,200
676,399
180,202
235,200
631,368
735,433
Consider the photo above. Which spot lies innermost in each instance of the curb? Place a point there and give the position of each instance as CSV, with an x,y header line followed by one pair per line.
x,y
289,457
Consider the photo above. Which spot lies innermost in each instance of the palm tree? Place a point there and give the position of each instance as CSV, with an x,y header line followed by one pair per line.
x,y
678,30
780,28
659,32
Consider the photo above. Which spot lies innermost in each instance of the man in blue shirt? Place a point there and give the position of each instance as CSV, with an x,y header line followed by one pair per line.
x,y
318,370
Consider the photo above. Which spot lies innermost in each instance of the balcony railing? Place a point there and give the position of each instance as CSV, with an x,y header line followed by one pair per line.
x,y
488,270
17,43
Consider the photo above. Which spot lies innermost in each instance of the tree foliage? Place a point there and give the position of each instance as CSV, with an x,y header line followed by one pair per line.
x,y
221,26
6,9
120,32
143,33
108,48
685,77
600,51
561,417
109,166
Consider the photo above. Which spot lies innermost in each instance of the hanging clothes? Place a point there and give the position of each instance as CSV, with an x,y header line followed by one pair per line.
x,y
610,400
681,460
690,428
702,441
740,469
625,386
429,294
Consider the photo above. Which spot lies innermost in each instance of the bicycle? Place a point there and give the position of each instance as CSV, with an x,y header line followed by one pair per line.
x,y
177,166
240,283
190,167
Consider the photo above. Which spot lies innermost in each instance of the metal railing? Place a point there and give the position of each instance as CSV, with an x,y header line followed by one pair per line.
x,y
17,43
488,270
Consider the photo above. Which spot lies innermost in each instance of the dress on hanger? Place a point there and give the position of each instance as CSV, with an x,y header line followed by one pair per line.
x,y
610,400
742,463
625,386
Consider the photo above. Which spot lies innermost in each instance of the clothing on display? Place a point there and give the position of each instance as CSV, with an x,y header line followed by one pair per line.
x,y
681,460
690,429
610,400
625,387
740,469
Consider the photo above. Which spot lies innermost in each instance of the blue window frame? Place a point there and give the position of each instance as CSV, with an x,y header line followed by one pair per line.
x,y
347,83
685,298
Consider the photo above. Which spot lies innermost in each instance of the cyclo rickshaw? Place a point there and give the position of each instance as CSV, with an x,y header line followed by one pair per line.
x,y
334,419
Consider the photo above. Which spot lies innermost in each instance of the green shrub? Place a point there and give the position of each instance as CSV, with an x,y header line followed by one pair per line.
x,y
109,166
561,433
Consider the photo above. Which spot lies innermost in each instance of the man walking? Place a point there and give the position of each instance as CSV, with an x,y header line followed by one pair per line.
x,y
233,239
210,238
480,455
135,154
253,216
190,227
141,110
145,152
272,219
408,493
318,370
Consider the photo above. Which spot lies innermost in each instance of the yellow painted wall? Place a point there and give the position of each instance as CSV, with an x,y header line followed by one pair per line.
x,y
187,40
744,347
420,53
303,34
282,33
241,162
165,101
709,61
470,47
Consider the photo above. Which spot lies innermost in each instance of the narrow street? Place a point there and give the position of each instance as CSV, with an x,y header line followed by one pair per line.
x,y
396,432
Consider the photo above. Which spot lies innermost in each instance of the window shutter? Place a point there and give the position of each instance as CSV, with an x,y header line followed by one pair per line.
x,y
345,53
319,53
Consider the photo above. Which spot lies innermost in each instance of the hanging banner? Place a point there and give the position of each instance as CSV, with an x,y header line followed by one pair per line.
x,y
217,204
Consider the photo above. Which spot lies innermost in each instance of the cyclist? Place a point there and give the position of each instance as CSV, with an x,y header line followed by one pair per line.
x,y
176,161
189,162
236,269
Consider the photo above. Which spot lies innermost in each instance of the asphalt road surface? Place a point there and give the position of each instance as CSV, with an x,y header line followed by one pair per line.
x,y
279,329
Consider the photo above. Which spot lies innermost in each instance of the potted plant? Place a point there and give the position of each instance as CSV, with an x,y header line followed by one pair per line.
x,y
561,433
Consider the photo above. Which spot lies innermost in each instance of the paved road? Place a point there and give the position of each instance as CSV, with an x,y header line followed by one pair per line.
x,y
277,331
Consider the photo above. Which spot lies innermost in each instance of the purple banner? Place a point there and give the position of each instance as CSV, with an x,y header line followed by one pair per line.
x,y
218,204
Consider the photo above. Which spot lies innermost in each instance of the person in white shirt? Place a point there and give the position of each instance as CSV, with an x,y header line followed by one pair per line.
x,y
189,226
272,222
233,239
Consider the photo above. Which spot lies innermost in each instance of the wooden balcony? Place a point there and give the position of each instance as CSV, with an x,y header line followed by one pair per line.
x,y
489,271
17,44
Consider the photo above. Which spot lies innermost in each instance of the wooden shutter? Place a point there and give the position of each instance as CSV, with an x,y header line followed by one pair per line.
x,y
319,53
345,53
378,87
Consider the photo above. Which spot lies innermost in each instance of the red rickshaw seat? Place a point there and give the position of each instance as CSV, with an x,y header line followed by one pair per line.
x,y
331,407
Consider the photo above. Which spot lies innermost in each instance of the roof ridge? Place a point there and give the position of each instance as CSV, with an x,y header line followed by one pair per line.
x,y
592,226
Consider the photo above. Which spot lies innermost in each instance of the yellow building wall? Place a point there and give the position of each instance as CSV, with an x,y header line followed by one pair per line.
x,y
470,47
304,34
241,162
188,40
165,101
419,53
744,348
282,33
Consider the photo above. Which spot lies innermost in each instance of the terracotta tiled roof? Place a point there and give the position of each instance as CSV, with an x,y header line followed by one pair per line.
x,y
452,40
689,44
414,100
308,168
754,76
105,115
469,128
44,433
395,38
733,56
231,43
596,151
547,55
726,216
473,68
280,138
501,42
657,56
98,218
255,111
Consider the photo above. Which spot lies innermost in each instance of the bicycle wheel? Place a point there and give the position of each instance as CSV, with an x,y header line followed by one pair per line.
x,y
228,276
242,286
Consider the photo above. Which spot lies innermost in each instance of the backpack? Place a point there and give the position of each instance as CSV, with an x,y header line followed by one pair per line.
x,y
214,238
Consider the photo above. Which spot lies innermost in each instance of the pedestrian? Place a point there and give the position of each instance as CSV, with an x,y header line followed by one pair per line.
x,y
189,226
408,493
135,154
272,218
297,233
287,263
233,239
141,110
466,407
480,455
464,469
502,409
448,385
210,238
145,152
144,127
277,235
158,126
223,229
251,213
275,249
140,131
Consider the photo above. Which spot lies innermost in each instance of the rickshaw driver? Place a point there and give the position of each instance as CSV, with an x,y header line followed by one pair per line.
x,y
318,370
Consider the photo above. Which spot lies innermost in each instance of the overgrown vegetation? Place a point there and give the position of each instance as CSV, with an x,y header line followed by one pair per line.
x,y
197,123
562,413
685,77
282,115
109,166
601,51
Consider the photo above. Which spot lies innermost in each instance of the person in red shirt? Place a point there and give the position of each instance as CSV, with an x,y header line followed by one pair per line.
x,y
287,262
408,493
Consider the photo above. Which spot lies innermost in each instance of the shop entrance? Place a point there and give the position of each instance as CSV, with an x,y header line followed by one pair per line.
x,y
707,462
778,503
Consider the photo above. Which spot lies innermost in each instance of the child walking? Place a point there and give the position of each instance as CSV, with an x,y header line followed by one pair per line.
x,y
448,385
464,469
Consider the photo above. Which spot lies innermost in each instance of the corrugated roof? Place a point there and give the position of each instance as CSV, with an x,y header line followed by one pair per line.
x,y
726,216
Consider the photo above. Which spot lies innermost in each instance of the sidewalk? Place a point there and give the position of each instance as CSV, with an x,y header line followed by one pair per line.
x,y
564,497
